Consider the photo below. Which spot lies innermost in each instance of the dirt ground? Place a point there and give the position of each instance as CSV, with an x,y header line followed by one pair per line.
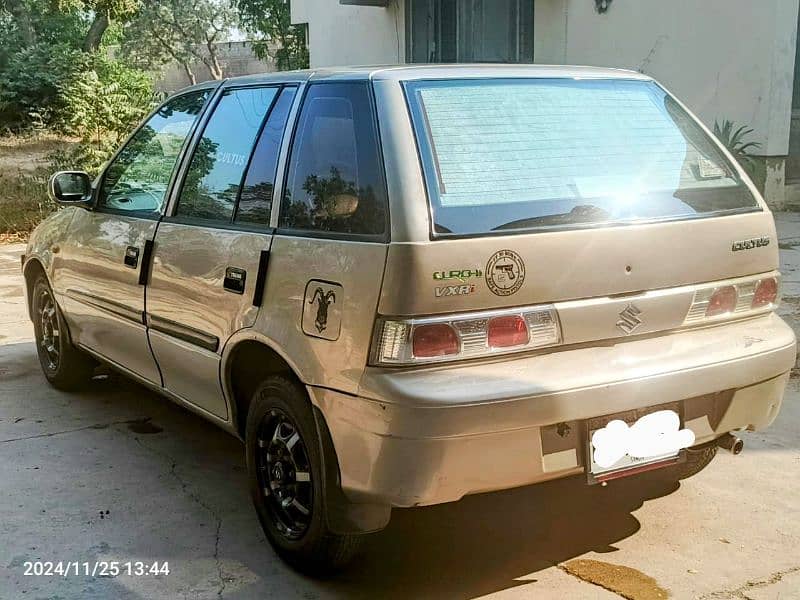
x,y
118,473
27,154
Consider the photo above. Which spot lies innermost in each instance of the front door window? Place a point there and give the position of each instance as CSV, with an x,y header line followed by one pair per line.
x,y
138,178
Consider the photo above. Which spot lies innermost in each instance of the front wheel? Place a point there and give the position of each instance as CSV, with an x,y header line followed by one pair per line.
x,y
286,474
64,366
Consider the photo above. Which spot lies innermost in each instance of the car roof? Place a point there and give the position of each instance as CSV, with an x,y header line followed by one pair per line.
x,y
416,72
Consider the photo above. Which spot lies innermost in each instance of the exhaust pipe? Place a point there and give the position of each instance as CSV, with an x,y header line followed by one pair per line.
x,y
731,443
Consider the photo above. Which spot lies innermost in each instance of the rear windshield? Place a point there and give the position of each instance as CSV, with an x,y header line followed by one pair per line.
x,y
501,155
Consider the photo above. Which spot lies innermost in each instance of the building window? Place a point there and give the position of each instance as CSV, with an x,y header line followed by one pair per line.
x,y
446,31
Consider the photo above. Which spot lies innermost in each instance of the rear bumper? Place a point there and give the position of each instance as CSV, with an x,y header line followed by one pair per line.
x,y
434,435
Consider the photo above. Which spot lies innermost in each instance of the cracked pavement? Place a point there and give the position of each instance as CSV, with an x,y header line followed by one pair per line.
x,y
118,473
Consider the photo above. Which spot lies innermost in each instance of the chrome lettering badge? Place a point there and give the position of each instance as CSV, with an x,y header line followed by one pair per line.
x,y
629,320
750,244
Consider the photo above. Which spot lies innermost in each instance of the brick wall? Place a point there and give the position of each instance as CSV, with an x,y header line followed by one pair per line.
x,y
237,58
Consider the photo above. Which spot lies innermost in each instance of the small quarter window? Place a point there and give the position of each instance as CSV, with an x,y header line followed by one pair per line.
x,y
215,173
335,181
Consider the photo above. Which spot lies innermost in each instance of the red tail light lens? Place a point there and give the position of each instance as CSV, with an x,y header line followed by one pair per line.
x,y
766,293
508,331
438,339
722,301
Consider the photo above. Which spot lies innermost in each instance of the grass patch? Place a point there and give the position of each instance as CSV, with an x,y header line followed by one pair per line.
x,y
24,203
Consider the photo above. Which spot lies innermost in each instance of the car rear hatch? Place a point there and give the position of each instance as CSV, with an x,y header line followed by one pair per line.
x,y
603,200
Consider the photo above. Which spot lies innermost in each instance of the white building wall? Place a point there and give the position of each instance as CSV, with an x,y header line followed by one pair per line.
x,y
352,35
727,59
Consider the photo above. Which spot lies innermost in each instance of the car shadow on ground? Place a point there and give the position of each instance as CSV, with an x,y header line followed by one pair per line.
x,y
490,542
482,544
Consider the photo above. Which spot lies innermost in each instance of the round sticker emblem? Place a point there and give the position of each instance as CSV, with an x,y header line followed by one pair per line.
x,y
505,273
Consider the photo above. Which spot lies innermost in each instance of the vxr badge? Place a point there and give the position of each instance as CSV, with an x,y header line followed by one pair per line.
x,y
629,320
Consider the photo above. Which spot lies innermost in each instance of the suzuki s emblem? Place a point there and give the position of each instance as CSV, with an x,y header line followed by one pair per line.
x,y
629,320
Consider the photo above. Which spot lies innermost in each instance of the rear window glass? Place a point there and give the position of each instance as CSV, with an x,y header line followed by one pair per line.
x,y
504,155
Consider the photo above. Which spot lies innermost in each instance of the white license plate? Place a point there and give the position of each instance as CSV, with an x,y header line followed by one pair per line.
x,y
620,446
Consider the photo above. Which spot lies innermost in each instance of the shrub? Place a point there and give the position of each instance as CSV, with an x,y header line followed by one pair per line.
x,y
35,83
104,104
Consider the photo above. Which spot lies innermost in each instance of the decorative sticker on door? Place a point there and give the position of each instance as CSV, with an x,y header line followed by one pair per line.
x,y
322,309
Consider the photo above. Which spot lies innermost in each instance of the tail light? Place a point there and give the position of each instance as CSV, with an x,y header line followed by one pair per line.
x,y
508,331
766,293
722,301
468,335
750,296
435,340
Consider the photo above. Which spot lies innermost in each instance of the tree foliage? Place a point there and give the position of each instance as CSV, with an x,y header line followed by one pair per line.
x,y
278,38
47,48
106,102
184,31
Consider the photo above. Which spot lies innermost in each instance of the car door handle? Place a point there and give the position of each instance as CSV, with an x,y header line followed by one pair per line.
x,y
131,257
235,279
261,278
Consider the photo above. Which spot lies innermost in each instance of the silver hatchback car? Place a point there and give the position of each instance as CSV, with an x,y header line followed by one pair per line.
x,y
403,285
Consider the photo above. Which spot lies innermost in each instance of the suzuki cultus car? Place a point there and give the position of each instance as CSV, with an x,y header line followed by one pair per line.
x,y
400,286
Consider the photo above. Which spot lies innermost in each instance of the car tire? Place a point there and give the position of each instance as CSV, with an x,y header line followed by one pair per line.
x,y
697,459
286,472
66,367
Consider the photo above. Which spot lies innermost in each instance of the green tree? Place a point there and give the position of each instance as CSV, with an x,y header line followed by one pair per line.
x,y
106,101
185,31
47,47
278,38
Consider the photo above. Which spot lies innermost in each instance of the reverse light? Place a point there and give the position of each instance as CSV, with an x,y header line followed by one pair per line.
x,y
466,335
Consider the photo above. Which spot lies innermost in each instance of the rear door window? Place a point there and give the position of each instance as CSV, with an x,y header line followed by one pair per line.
x,y
213,180
255,203
521,154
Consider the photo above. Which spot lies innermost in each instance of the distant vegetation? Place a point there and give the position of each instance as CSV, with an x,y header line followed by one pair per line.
x,y
77,75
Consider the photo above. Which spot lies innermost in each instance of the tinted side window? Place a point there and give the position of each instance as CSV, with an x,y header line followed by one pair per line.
x,y
335,180
215,173
255,203
138,179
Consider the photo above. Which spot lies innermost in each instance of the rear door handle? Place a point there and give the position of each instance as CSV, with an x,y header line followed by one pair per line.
x,y
131,257
235,279
261,278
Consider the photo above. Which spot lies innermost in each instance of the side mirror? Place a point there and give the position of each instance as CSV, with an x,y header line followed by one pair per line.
x,y
71,188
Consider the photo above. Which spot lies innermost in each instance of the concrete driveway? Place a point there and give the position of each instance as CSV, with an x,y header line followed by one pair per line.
x,y
116,473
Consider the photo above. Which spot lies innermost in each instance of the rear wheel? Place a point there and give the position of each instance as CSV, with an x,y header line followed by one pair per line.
x,y
64,366
286,477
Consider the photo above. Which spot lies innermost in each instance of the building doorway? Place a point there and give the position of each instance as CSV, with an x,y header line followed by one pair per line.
x,y
793,161
448,31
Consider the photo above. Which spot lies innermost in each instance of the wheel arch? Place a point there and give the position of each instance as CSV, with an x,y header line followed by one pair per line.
x,y
31,270
246,360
